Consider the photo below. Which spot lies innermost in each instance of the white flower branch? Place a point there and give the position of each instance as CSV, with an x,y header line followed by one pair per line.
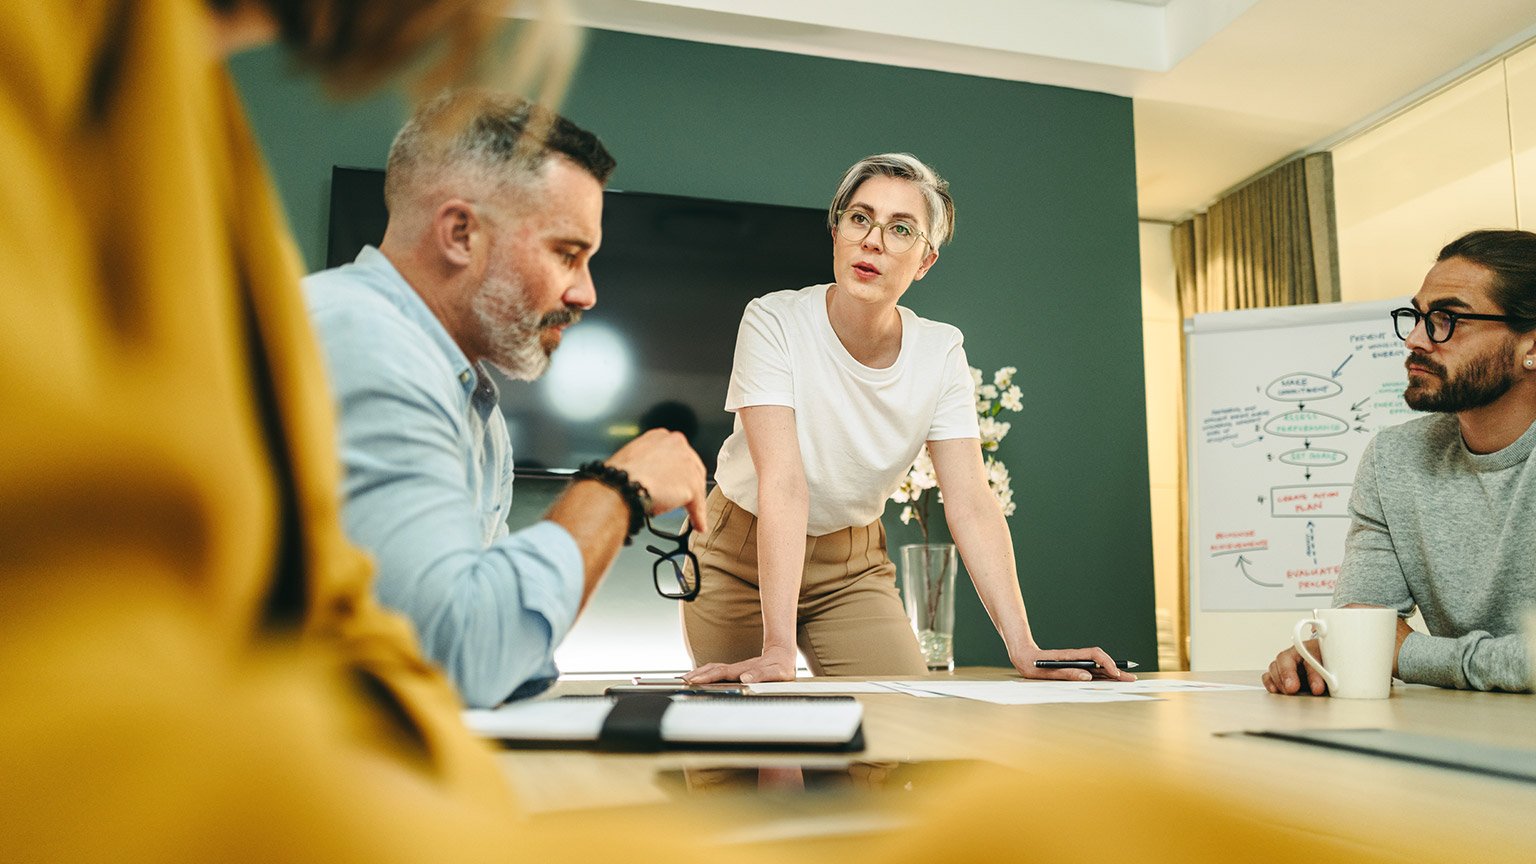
x,y
920,486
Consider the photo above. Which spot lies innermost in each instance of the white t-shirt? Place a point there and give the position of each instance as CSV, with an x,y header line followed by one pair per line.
x,y
859,428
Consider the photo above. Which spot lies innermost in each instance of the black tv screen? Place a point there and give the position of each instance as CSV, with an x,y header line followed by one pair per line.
x,y
673,276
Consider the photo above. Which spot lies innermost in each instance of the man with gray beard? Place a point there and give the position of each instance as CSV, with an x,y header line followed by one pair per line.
x,y
495,211
1443,512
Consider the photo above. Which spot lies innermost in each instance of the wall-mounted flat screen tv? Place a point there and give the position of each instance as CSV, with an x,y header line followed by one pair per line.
x,y
673,276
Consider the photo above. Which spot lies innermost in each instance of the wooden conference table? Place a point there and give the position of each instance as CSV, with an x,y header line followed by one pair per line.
x,y
1413,809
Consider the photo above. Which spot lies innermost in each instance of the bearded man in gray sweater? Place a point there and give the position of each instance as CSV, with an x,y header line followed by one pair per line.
x,y
1444,507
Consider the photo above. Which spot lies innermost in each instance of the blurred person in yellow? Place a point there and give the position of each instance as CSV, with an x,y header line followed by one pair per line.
x,y
192,662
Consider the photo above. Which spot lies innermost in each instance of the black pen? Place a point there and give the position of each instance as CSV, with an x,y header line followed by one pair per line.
x,y
1080,664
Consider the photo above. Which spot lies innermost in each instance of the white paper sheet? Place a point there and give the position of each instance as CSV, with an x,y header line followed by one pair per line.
x,y
1021,692
898,687
1002,690
1153,685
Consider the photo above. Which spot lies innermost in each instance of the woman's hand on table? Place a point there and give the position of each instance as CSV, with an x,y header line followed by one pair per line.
x,y
1024,661
775,664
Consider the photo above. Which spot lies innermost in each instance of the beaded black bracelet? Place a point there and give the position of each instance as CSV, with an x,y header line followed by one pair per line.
x,y
635,497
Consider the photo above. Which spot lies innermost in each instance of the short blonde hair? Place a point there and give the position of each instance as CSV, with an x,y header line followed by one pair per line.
x,y
902,166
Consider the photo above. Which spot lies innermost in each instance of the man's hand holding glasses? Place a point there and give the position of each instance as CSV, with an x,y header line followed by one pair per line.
x,y
676,570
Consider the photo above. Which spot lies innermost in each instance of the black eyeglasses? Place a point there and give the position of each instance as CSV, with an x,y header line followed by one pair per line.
x,y
676,573
1439,324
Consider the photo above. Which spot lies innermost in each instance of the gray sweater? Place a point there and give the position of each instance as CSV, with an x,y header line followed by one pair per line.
x,y
1440,527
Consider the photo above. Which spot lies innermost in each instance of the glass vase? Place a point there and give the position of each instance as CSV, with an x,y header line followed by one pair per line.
x,y
928,590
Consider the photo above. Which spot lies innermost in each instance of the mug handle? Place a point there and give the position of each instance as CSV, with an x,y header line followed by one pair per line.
x,y
1321,627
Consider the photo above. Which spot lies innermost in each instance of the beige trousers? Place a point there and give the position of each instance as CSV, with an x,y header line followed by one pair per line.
x,y
850,619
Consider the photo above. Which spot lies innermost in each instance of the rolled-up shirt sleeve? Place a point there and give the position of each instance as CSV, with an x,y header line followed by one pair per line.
x,y
954,416
762,371
491,615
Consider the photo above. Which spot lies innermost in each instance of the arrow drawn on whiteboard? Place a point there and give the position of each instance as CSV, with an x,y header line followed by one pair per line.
x,y
1251,441
1242,564
1341,366
1356,406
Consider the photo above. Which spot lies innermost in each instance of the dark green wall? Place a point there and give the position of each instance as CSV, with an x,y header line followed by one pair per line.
x,y
1043,274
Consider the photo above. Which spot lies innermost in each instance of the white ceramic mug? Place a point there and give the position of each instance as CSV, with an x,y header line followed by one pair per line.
x,y
1357,644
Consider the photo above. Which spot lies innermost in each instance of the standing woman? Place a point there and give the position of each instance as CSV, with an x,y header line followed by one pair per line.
x,y
835,390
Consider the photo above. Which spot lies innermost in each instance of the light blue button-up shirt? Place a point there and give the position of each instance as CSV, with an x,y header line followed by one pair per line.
x,y
428,484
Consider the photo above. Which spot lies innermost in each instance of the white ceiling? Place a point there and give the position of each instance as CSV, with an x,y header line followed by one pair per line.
x,y
1222,88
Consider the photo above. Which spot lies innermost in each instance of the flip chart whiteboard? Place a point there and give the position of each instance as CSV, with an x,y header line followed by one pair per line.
x,y
1281,404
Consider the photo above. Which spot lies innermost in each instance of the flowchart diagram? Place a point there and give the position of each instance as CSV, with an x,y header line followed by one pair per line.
x,y
1279,415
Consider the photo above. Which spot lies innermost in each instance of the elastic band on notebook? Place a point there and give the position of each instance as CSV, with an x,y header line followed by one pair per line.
x,y
635,722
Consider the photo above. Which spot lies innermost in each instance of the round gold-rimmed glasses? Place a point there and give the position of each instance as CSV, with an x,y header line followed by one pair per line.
x,y
897,236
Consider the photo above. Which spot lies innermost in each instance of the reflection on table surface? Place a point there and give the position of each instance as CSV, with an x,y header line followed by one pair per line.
x,y
1171,747
853,777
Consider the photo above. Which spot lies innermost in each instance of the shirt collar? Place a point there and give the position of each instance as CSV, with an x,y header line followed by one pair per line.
x,y
400,294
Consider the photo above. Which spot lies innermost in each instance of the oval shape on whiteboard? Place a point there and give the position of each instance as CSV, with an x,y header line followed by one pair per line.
x,y
1302,387
1314,457
1305,424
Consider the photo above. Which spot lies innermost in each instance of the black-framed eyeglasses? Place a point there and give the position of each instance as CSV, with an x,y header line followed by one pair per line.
x,y
897,235
1439,324
676,573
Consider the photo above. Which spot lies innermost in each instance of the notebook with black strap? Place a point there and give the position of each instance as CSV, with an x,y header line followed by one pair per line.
x,y
655,721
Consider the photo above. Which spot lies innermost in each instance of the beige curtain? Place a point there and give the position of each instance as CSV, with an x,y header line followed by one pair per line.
x,y
1272,242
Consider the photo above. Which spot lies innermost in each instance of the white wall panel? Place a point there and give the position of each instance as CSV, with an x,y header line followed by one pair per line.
x,y
1418,181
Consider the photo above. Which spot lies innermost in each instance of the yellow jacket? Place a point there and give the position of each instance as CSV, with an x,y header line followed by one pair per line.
x,y
174,580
